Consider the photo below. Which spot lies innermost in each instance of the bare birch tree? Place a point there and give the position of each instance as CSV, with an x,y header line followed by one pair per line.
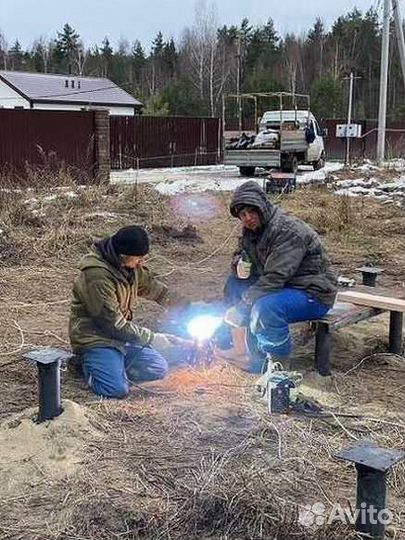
x,y
3,50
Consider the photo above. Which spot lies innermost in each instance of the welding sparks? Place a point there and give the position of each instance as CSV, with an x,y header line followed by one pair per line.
x,y
203,327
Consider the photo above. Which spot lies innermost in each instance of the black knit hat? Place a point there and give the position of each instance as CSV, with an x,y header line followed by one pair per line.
x,y
132,240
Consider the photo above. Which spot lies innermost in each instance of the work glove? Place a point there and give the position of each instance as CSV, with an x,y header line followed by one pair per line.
x,y
164,342
237,316
161,342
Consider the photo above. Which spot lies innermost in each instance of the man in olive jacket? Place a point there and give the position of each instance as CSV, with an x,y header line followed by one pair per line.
x,y
113,348
290,278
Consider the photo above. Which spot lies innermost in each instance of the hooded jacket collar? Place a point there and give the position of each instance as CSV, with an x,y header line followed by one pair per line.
x,y
251,194
103,255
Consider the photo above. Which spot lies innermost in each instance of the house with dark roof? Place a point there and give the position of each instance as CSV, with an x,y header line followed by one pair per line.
x,y
24,90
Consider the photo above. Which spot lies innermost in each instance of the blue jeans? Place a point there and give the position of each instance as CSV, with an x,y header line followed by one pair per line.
x,y
109,372
272,313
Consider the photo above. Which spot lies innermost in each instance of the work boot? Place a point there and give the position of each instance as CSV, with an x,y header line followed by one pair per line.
x,y
75,367
237,354
223,337
258,359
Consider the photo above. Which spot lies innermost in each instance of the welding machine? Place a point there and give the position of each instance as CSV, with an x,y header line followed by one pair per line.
x,y
280,182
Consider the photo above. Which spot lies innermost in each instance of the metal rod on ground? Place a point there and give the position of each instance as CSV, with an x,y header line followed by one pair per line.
x,y
50,404
400,35
395,339
48,361
369,275
372,466
382,109
322,349
372,492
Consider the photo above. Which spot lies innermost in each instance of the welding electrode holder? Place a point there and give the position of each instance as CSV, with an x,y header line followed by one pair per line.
x,y
200,354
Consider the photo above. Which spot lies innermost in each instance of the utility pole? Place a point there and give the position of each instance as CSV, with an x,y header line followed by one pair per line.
x,y
382,109
349,116
349,113
238,56
399,30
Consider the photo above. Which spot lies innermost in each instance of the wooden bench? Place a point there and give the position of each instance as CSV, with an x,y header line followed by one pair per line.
x,y
345,313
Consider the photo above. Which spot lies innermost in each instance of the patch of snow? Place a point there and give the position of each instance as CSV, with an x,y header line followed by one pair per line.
x,y
358,182
393,186
31,202
347,192
368,166
397,164
181,186
207,178
49,198
319,177
360,190
70,194
372,188
38,213
108,215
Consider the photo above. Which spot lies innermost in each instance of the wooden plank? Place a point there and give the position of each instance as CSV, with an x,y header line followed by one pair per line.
x,y
372,300
344,314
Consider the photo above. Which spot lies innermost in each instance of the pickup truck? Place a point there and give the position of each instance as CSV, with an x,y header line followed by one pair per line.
x,y
283,140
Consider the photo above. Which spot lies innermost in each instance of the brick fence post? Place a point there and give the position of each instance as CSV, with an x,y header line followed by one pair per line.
x,y
102,146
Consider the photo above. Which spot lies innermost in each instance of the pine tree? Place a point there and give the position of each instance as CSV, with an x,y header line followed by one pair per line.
x,y
169,58
66,46
106,57
16,56
158,45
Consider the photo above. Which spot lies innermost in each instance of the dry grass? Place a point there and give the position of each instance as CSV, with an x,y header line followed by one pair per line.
x,y
355,231
195,456
205,461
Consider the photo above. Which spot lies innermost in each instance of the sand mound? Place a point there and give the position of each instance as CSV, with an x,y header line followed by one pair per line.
x,y
31,453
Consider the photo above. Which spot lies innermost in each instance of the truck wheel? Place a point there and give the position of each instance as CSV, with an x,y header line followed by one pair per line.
x,y
319,164
247,171
289,164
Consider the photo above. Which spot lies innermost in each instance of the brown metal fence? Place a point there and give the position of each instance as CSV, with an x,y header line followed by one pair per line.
x,y
148,141
47,139
366,146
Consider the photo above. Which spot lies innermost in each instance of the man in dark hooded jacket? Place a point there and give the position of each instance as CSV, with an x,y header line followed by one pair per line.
x,y
115,350
285,276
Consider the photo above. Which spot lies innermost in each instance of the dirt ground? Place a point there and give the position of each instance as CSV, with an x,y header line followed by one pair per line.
x,y
196,455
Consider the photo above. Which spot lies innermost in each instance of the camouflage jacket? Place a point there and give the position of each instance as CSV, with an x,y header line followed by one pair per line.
x,y
104,299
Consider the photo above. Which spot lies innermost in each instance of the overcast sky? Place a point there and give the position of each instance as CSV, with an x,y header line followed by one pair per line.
x,y
142,19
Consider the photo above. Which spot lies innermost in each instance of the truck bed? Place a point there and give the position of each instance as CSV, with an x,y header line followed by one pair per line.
x,y
253,157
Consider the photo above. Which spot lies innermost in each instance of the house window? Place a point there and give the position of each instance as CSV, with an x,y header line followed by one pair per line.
x,y
72,84
66,84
